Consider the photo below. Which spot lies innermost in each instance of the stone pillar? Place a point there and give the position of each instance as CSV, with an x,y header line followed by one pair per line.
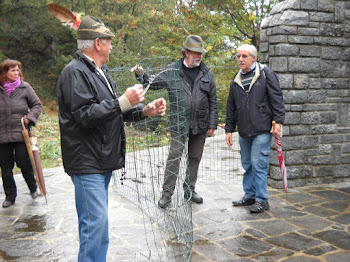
x,y
307,43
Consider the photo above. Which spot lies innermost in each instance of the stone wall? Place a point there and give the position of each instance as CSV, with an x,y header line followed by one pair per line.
x,y
307,43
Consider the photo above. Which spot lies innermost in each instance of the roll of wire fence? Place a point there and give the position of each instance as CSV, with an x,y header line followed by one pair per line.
x,y
168,233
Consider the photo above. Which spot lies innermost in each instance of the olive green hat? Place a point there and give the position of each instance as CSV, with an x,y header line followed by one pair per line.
x,y
91,28
194,43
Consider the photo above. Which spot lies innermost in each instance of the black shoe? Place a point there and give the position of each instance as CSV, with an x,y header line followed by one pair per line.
x,y
7,203
165,201
194,197
244,202
34,194
259,206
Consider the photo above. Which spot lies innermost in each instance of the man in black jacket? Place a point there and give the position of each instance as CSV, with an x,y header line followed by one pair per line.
x,y
194,95
91,115
254,101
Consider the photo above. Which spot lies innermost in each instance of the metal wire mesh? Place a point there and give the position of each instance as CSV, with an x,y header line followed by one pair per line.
x,y
168,232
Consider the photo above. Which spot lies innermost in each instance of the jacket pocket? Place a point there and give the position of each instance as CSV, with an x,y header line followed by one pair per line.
x,y
203,118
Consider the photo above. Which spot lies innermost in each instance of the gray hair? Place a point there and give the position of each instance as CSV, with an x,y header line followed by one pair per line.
x,y
87,44
252,50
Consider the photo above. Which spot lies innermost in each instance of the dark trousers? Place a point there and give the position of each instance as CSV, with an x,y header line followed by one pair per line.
x,y
9,154
195,150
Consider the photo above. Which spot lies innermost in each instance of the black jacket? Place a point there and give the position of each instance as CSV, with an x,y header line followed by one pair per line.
x,y
253,111
91,121
198,104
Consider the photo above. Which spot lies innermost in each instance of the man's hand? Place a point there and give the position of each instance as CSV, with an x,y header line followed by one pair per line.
x,y
157,107
138,70
210,131
276,129
134,94
229,139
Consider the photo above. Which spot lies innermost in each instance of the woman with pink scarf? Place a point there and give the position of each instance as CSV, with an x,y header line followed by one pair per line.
x,y
17,100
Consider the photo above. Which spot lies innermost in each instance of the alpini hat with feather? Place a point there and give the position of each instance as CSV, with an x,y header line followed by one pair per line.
x,y
91,28
194,43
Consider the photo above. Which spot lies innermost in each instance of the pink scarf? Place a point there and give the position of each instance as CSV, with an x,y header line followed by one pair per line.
x,y
10,87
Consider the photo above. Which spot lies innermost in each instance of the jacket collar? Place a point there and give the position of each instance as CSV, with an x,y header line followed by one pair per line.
x,y
257,70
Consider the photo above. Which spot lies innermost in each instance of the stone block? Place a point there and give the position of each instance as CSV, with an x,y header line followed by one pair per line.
x,y
331,41
299,130
304,65
334,30
314,24
331,139
296,108
320,107
301,81
321,17
263,36
279,64
334,70
283,30
306,171
336,154
295,96
346,148
345,159
286,50
342,171
308,5
325,149
339,14
328,117
310,118
300,39
321,160
310,51
286,80
319,96
323,129
311,152
285,5
326,5
264,47
292,143
292,118
265,23
276,39
314,83
335,53
330,83
324,171
343,116
309,31
310,142
298,18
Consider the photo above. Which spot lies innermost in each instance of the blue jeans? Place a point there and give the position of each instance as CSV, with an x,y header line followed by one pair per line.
x,y
255,161
91,200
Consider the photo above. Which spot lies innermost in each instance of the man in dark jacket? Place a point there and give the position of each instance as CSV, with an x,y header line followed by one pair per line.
x,y
254,101
91,116
194,95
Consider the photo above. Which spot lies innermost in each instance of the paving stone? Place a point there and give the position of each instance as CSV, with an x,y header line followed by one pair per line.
x,y
293,241
286,212
311,223
338,257
245,245
342,219
299,197
302,259
320,211
332,195
255,233
340,239
339,206
272,227
346,190
318,251
220,231
212,251
273,255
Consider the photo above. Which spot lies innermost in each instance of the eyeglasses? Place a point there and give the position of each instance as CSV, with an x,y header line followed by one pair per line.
x,y
239,56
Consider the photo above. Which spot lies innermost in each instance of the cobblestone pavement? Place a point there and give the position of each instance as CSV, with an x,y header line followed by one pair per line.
x,y
307,224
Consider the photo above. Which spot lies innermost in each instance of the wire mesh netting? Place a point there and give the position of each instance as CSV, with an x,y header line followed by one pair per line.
x,y
157,151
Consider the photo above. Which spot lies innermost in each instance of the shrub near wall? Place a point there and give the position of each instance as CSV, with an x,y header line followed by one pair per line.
x,y
307,43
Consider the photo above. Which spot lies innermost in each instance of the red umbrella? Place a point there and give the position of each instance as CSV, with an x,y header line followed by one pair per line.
x,y
30,140
281,160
